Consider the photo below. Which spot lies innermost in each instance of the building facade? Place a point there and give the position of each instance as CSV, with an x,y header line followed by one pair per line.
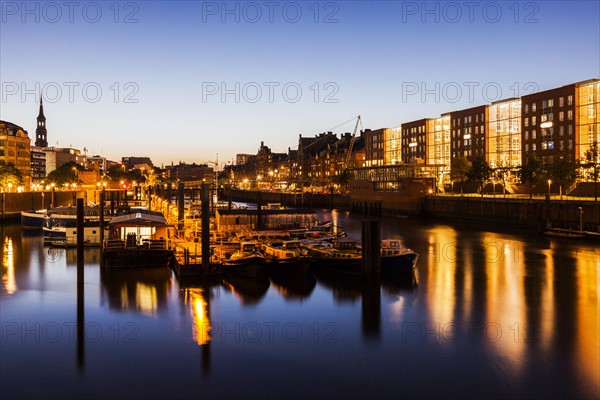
x,y
469,132
38,165
15,148
504,134
548,124
414,136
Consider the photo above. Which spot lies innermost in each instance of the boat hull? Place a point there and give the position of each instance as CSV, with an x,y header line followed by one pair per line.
x,y
137,258
33,220
401,263
247,269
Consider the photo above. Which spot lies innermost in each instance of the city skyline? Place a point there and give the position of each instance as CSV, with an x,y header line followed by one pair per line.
x,y
179,72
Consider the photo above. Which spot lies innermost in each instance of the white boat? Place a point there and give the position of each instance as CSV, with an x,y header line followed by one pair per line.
x,y
65,233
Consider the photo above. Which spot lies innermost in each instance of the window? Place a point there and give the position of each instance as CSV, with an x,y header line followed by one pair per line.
x,y
551,103
533,107
526,108
526,147
526,135
533,134
561,116
570,115
561,101
561,131
526,121
533,147
570,144
533,121
570,129
570,100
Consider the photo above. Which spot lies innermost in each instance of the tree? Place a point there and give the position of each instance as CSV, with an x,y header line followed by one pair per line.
x,y
591,161
502,174
459,168
530,173
562,171
66,173
479,173
9,175
342,179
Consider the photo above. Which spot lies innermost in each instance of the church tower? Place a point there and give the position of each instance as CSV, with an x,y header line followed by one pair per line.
x,y
41,134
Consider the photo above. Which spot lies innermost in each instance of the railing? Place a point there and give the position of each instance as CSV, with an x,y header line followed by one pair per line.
x,y
148,244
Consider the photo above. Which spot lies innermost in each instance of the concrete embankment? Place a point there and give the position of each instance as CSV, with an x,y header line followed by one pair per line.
x,y
533,214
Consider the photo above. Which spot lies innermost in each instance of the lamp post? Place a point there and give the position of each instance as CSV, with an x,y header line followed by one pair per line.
x,y
549,183
580,219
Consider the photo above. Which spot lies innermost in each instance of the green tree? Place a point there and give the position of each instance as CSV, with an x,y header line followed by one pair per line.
x,y
459,168
591,161
530,173
66,173
562,171
479,173
9,175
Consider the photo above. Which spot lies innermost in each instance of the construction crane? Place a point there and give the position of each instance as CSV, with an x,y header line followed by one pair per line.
x,y
351,145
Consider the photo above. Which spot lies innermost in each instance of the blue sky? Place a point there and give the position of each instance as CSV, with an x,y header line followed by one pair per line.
x,y
148,77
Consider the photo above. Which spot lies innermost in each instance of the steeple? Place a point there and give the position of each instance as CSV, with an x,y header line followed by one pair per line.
x,y
41,134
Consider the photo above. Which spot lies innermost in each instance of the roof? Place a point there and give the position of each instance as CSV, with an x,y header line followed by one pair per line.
x,y
287,211
138,219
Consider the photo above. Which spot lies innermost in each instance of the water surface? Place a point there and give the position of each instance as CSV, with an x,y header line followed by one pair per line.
x,y
488,315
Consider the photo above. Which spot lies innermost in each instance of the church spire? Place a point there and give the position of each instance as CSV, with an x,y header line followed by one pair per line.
x,y
41,114
41,134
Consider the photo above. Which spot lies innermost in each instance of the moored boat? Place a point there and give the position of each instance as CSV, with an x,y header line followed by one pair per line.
x,y
247,261
138,239
34,219
342,255
286,256
396,258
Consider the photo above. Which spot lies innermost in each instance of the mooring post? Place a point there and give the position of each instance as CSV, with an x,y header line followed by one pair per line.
x,y
80,239
112,202
371,248
180,205
205,200
259,211
80,287
52,197
101,227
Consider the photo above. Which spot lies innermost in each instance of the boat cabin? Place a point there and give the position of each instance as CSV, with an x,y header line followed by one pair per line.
x,y
139,230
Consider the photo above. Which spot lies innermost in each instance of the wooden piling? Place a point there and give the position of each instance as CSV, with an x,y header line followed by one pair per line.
x,y
205,200
80,240
180,205
259,211
101,227
371,248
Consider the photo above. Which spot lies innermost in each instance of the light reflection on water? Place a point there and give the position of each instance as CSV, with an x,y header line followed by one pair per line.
x,y
487,315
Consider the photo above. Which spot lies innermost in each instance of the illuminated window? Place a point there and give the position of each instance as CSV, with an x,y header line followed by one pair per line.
x,y
561,116
533,107
561,101
570,100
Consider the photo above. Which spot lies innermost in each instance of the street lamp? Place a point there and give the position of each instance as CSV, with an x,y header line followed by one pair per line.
x,y
549,183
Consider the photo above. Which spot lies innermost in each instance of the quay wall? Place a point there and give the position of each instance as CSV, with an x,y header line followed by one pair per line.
x,y
310,200
532,214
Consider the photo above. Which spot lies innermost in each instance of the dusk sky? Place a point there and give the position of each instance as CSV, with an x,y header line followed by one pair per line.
x,y
161,68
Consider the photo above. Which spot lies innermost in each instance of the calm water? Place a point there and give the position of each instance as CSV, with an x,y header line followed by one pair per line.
x,y
492,315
